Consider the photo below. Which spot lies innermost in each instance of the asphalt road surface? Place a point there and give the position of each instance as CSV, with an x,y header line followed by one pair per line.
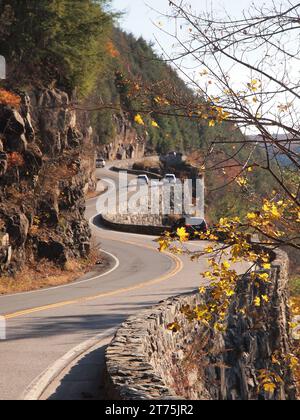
x,y
43,326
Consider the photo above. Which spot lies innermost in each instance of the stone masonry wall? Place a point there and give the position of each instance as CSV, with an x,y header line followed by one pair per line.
x,y
147,361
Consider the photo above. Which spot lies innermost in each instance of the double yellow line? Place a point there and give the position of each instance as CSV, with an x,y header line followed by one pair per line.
x,y
177,269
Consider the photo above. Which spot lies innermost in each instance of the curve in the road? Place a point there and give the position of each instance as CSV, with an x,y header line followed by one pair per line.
x,y
178,268
77,282
35,342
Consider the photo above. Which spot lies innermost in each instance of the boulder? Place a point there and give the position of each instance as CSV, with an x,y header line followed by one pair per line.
x,y
12,129
17,226
53,251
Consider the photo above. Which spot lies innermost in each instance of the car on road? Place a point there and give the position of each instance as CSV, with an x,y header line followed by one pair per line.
x,y
193,226
143,180
100,163
169,179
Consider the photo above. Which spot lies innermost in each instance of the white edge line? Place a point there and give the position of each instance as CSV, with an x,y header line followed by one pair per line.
x,y
72,284
40,384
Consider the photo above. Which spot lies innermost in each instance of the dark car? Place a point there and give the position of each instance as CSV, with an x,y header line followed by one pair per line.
x,y
192,225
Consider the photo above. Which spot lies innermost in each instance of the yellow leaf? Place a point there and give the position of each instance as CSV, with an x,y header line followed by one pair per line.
x,y
226,265
202,290
174,327
257,302
154,124
270,388
242,182
267,266
251,216
163,245
139,120
182,234
209,250
264,277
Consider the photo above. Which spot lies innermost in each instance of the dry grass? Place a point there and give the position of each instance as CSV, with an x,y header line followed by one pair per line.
x,y
93,194
44,274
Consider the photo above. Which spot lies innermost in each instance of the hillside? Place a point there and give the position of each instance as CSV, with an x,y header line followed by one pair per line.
x,y
134,71
133,62
42,134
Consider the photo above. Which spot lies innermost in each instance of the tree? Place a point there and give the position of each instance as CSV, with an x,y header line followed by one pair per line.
x,y
247,74
264,47
55,41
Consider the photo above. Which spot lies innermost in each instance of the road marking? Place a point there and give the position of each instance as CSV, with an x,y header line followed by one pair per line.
x,y
178,268
40,384
74,283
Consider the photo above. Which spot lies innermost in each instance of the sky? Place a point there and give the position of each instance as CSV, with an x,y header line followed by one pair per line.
x,y
142,15
144,18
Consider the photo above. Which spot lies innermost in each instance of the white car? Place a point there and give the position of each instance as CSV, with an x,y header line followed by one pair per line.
x,y
169,179
143,180
100,163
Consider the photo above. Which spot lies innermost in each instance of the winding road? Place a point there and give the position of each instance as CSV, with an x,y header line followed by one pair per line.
x,y
43,326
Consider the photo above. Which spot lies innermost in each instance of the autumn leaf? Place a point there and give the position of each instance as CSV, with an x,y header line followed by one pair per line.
x,y
267,266
9,98
265,298
264,277
257,302
139,120
242,182
174,327
182,234
154,124
163,245
226,265
269,387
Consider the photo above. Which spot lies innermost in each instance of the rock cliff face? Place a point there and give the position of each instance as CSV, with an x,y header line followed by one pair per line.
x,y
126,144
46,165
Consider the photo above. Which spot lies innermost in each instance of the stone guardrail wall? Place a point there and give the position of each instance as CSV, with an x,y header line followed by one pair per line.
x,y
147,361
130,171
153,225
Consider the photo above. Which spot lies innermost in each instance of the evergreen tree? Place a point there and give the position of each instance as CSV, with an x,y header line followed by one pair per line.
x,y
60,41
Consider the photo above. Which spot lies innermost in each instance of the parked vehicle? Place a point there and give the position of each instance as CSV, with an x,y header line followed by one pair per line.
x,y
169,179
143,180
100,163
192,225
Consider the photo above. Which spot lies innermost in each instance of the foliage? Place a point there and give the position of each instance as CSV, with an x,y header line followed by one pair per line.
x,y
9,98
55,41
295,286
15,159
263,168
144,88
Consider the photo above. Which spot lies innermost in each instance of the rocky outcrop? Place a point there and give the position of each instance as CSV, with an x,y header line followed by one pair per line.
x,y
47,163
147,361
126,144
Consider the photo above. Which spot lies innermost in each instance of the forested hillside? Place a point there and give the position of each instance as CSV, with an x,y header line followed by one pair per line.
x,y
67,54
133,70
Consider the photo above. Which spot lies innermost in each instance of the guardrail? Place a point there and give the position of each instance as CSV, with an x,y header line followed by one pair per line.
x,y
130,228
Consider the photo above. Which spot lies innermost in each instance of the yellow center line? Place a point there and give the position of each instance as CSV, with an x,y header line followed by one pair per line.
x,y
178,268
